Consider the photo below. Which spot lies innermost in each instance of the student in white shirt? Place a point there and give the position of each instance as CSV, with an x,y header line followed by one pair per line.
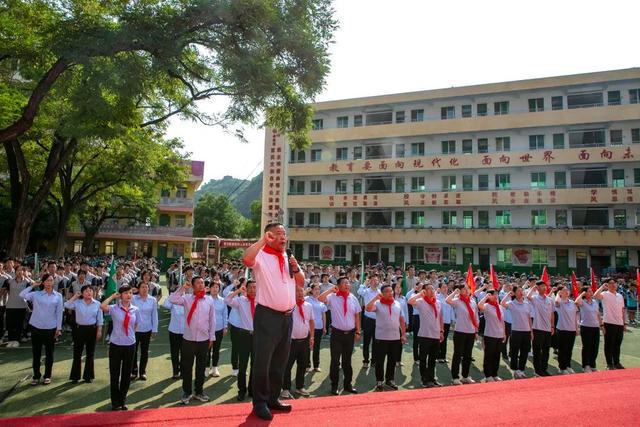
x,y
213,355
176,330
614,326
302,339
390,333
319,322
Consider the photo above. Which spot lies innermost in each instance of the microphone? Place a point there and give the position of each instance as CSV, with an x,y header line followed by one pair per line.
x,y
289,259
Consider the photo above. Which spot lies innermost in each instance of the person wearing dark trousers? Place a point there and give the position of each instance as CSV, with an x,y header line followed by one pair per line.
x,y
390,333
89,321
125,318
494,335
319,318
464,335
213,354
277,274
46,324
613,318
16,307
521,334
590,321
346,330
368,291
414,316
176,331
243,301
431,333
447,318
199,335
302,340
567,329
147,329
543,327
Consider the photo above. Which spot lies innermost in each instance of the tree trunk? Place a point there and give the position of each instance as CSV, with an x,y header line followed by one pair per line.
x,y
89,241
20,234
61,235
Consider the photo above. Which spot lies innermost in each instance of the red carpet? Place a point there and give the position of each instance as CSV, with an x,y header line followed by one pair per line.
x,y
603,398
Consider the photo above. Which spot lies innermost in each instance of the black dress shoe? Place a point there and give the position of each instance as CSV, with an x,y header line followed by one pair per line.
x,y
115,408
436,383
334,391
88,381
263,413
74,381
619,366
279,406
392,385
124,408
240,397
351,389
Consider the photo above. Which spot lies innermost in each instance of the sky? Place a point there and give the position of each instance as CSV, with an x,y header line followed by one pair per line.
x,y
387,47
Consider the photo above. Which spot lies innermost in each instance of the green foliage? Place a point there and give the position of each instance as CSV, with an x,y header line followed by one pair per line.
x,y
252,226
242,193
214,215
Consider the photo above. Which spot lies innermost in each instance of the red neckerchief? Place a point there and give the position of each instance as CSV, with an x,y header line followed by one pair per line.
x,y
472,315
432,303
388,302
280,255
345,295
125,324
299,303
498,311
197,297
252,300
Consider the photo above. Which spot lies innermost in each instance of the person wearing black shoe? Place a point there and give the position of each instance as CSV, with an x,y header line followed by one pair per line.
x,y
590,321
543,326
431,332
89,320
567,328
148,327
447,318
390,333
176,330
302,336
199,335
277,275
243,301
345,330
368,291
122,343
613,317
494,334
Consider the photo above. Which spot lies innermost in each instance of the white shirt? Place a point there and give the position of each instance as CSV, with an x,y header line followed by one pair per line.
x,y
338,319
178,319
300,328
203,320
221,312
319,309
243,307
430,326
148,307
388,323
612,306
275,289
367,295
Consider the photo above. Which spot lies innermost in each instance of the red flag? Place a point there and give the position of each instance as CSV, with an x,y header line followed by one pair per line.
x,y
574,285
470,282
494,277
637,281
594,283
545,279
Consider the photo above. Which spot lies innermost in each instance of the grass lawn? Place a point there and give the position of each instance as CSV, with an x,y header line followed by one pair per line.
x,y
161,391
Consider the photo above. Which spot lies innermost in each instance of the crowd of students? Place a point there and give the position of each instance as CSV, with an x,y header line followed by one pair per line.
x,y
514,319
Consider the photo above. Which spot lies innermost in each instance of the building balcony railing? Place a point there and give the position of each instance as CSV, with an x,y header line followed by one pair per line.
x,y
115,229
575,237
176,202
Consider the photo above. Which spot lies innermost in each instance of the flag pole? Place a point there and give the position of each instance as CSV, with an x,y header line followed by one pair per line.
x,y
180,267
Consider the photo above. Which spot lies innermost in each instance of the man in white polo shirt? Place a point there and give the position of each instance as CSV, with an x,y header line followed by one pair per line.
x,y
277,275
613,317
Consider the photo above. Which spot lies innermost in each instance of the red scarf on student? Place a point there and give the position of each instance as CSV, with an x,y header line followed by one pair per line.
x,y
197,297
498,311
125,324
268,249
432,303
472,315
299,303
252,300
345,295
388,302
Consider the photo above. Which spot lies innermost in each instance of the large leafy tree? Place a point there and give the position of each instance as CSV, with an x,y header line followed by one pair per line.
x,y
113,65
215,215
138,158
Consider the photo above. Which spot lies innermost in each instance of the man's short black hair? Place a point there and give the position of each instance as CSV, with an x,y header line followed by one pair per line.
x,y
271,225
